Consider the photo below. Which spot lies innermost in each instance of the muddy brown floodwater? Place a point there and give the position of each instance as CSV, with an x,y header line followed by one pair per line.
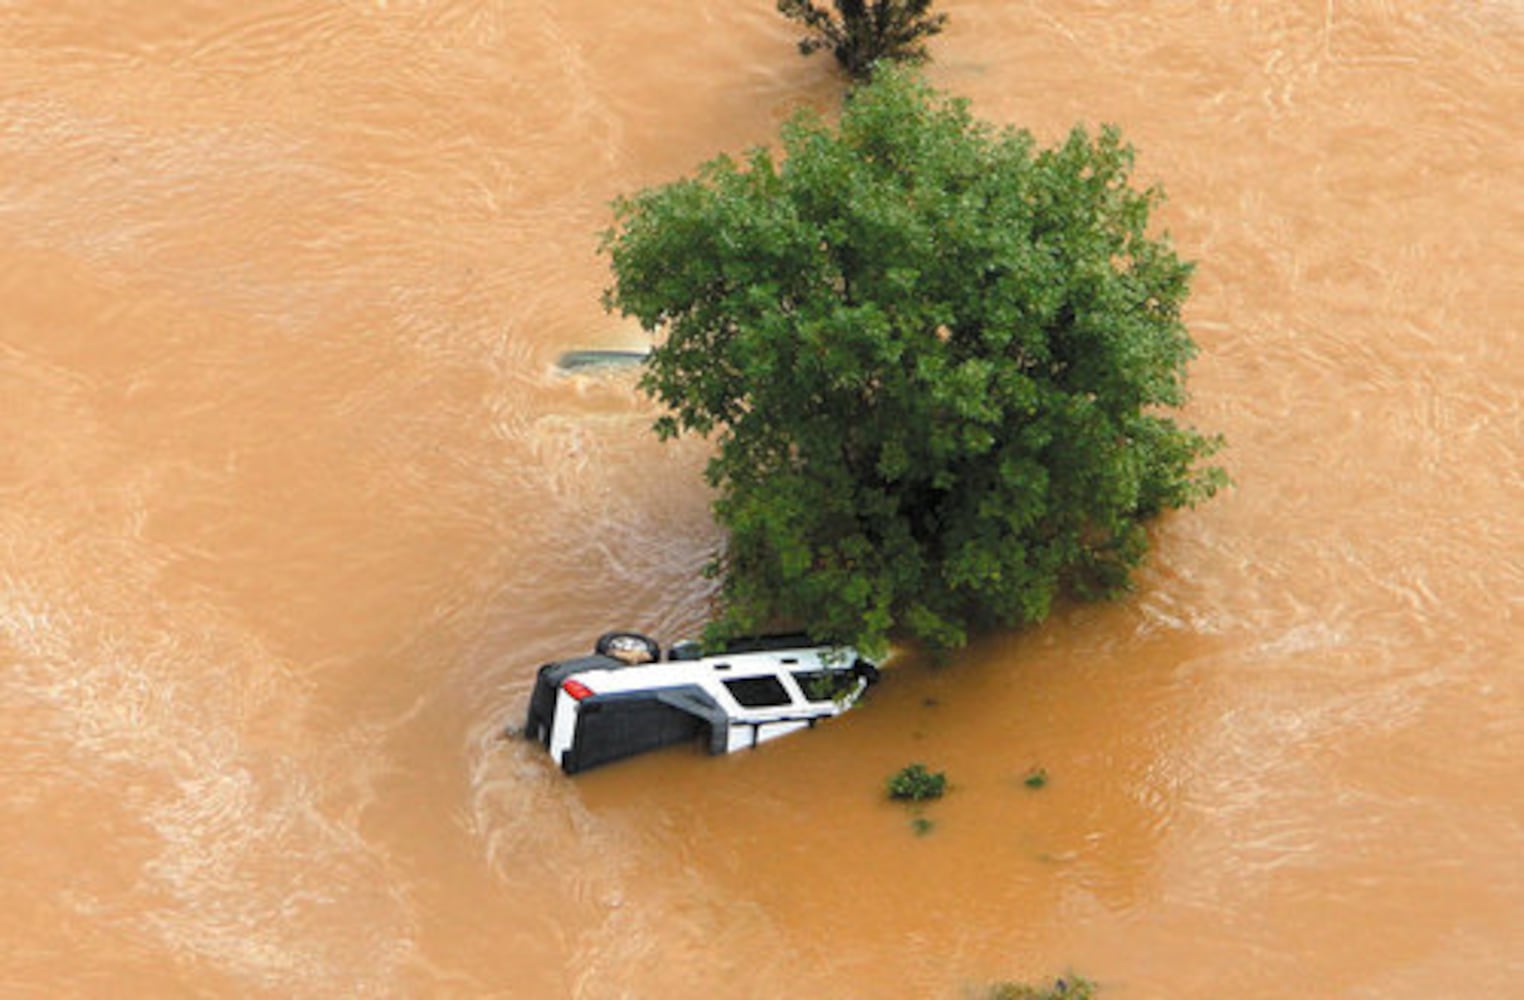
x,y
292,503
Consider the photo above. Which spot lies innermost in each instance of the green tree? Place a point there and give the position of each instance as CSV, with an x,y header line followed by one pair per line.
x,y
862,32
934,359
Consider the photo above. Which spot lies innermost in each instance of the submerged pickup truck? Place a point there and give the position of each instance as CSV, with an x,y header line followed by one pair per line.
x,y
629,696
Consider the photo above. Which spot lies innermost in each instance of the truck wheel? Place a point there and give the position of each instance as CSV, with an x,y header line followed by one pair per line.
x,y
867,671
628,647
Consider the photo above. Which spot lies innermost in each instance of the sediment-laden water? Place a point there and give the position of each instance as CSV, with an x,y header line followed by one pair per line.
x,y
293,501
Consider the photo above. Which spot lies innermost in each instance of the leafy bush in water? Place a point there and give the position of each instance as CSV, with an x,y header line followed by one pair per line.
x,y
1068,988
862,32
914,783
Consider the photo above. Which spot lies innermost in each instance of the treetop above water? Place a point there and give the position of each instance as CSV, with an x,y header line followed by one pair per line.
x,y
935,359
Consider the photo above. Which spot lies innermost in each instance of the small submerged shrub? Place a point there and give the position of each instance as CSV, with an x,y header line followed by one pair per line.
x,y
1064,988
914,783
1036,778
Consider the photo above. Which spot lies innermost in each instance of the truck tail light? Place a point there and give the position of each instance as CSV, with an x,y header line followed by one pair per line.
x,y
576,689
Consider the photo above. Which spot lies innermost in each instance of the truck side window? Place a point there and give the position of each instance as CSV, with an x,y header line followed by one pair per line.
x,y
824,685
758,692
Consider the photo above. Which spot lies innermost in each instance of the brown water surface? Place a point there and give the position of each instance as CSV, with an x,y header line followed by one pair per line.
x,y
292,503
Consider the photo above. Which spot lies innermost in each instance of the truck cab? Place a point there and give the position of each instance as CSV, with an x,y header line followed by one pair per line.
x,y
630,696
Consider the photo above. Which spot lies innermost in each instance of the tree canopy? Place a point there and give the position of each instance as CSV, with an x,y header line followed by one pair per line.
x,y
934,358
862,32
